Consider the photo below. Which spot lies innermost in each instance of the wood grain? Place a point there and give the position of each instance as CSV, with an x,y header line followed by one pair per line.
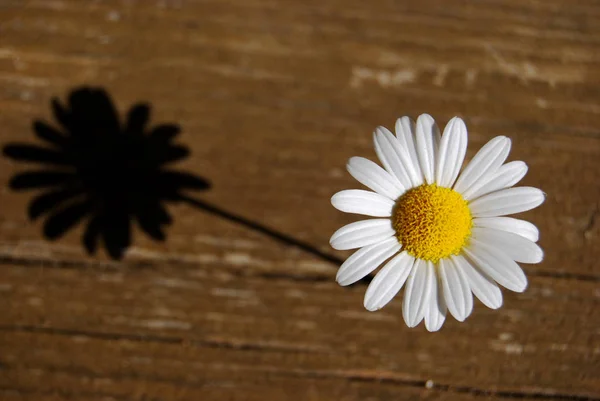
x,y
273,97
204,325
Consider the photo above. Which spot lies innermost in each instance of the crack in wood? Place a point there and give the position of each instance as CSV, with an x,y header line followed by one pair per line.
x,y
7,260
298,373
236,345
63,394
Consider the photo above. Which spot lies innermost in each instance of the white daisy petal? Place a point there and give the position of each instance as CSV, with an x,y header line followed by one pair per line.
x,y
519,248
389,158
511,225
396,156
497,265
417,293
405,132
505,177
374,177
507,201
435,314
362,233
453,147
362,202
381,155
488,159
456,289
484,288
408,168
388,281
428,138
365,260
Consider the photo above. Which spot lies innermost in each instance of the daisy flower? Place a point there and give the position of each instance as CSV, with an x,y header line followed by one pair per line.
x,y
442,232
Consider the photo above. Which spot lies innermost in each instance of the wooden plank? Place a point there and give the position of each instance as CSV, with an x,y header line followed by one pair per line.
x,y
273,98
319,123
173,323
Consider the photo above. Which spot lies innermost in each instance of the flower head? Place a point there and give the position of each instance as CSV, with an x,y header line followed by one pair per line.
x,y
442,232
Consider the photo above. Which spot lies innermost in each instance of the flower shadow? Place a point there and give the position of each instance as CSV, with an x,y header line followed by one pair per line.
x,y
108,173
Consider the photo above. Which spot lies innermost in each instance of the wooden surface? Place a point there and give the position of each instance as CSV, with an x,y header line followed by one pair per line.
x,y
273,96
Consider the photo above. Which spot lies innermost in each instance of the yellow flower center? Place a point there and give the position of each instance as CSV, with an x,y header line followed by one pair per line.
x,y
432,222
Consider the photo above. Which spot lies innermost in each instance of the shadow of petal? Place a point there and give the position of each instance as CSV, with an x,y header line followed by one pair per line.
x,y
116,234
182,180
61,114
161,214
171,155
36,154
92,111
41,179
164,133
48,134
63,220
149,221
172,184
137,119
44,203
92,233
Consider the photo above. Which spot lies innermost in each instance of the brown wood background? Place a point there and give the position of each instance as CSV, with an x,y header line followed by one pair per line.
x,y
273,97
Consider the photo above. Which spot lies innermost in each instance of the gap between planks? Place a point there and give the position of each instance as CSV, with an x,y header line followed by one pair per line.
x,y
347,375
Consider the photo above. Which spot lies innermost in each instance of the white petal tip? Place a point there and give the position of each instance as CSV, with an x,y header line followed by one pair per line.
x,y
334,200
433,329
538,257
380,130
372,307
436,323
493,301
335,245
495,305
414,321
520,164
522,289
506,141
350,163
369,304
333,240
462,316
457,120
403,118
410,321
342,282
